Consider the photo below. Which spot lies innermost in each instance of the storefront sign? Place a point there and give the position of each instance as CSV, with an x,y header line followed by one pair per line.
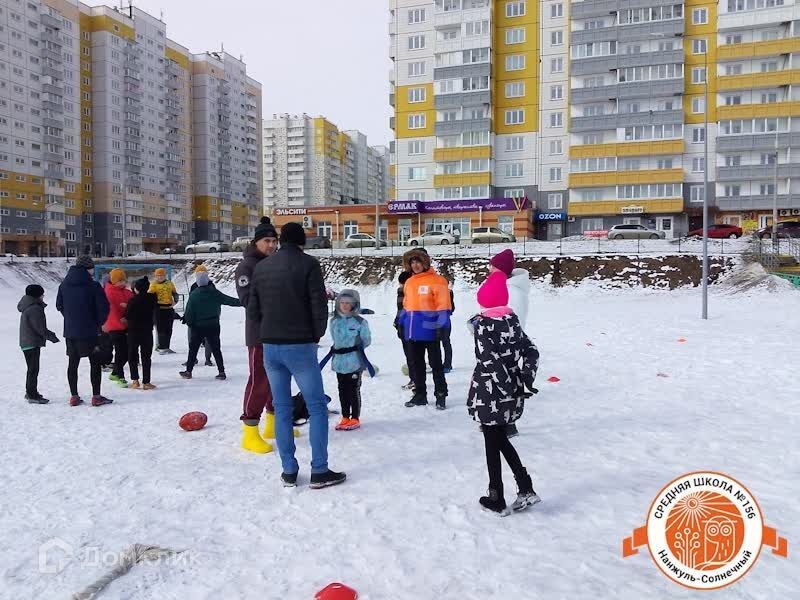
x,y
599,233
453,206
556,216
290,212
632,210
789,212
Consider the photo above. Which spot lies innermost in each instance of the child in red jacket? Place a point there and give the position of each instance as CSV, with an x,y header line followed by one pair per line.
x,y
116,325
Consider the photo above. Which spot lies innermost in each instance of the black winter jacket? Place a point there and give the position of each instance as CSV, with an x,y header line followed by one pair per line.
x,y
83,303
140,312
507,361
33,331
288,298
244,277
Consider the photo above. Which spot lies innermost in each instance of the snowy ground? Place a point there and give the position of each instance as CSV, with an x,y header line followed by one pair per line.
x,y
600,444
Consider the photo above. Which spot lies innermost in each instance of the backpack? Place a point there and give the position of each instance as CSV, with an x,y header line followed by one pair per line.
x,y
300,414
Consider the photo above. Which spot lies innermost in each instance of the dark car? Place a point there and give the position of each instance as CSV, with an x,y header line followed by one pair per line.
x,y
786,229
316,242
718,230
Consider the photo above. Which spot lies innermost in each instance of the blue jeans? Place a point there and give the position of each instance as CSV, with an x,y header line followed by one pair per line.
x,y
282,362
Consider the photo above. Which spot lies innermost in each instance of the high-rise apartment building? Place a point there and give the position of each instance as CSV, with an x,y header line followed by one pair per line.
x,y
596,109
99,127
310,162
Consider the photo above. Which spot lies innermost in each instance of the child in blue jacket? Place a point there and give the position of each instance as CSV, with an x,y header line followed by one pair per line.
x,y
350,333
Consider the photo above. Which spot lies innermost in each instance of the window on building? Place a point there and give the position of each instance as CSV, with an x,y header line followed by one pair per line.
x,y
416,42
515,143
591,225
515,35
699,16
515,116
698,105
699,46
350,228
555,201
556,147
698,165
556,174
514,193
556,10
416,68
698,135
698,74
556,38
416,15
515,89
557,65
416,95
515,169
416,121
515,9
556,92
416,173
416,147
697,193
557,119
515,62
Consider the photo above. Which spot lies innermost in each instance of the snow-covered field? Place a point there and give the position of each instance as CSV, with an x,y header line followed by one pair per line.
x,y
406,524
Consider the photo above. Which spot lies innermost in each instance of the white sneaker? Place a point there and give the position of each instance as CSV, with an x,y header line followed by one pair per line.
x,y
525,500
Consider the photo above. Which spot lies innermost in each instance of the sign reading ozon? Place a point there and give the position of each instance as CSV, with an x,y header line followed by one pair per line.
x,y
704,531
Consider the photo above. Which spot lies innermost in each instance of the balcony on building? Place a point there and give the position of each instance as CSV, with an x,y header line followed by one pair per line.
x,y
750,202
757,141
628,91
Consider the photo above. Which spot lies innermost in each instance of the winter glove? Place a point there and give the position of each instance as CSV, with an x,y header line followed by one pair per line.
x,y
52,338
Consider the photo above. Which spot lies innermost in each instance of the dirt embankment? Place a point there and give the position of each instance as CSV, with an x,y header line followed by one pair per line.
x,y
613,271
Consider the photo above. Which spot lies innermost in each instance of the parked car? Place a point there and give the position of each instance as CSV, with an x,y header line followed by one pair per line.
x,y
718,230
491,235
240,243
316,242
207,246
634,232
174,250
786,229
432,238
361,240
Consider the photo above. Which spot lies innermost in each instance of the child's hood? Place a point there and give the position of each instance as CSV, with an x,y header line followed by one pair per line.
x,y
28,301
352,296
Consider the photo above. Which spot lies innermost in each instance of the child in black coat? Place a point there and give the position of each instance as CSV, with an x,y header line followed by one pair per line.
x,y
140,315
33,333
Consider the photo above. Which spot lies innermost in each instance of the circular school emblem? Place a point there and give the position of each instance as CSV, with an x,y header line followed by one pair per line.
x,y
243,281
704,531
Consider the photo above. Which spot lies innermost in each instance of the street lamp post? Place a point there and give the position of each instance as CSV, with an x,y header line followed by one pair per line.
x,y
775,194
705,192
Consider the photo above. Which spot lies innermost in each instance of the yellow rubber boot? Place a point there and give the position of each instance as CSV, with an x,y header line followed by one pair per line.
x,y
269,428
252,441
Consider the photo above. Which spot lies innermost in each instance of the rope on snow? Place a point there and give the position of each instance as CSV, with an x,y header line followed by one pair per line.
x,y
135,554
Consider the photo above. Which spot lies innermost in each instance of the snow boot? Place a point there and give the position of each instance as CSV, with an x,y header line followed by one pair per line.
x,y
100,400
289,479
186,374
208,363
148,386
448,369
526,496
75,401
135,385
511,431
326,479
495,502
221,376
417,400
252,441
36,399
441,401
120,381
269,428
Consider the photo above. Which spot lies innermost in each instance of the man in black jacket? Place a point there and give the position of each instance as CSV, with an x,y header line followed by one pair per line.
x,y
288,300
257,393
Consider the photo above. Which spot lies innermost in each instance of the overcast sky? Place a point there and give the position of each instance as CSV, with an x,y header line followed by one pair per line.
x,y
321,57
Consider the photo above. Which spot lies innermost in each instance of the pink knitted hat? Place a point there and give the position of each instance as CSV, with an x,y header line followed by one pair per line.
x,y
504,261
494,291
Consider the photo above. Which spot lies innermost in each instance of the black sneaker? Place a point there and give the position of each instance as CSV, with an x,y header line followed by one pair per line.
x,y
221,377
289,479
417,400
186,364
209,363
326,479
441,402
186,374
495,503
36,399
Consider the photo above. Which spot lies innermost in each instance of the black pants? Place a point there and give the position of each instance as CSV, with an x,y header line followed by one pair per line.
x,y
447,347
350,394
94,373
140,341
434,350
209,333
119,339
409,359
205,345
32,377
497,443
165,318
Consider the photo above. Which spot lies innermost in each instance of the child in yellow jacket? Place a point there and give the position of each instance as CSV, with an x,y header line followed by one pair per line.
x,y
167,295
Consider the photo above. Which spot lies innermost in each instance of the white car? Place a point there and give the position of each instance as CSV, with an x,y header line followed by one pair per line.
x,y
361,240
491,235
240,243
432,238
206,246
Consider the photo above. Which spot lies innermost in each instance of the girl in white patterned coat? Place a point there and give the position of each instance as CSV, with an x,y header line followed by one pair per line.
x,y
507,361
